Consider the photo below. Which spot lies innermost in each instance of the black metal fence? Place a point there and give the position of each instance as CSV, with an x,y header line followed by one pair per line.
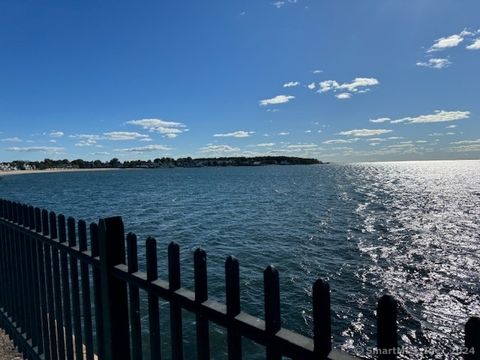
x,y
63,299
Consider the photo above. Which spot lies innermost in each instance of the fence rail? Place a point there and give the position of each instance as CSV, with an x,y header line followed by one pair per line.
x,y
63,299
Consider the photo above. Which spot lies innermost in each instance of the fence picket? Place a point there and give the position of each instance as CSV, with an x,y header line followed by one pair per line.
x,y
153,307
201,295
174,281
86,301
67,308
232,286
134,298
271,286
57,289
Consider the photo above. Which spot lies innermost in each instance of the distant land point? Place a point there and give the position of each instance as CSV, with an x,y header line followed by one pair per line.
x,y
164,162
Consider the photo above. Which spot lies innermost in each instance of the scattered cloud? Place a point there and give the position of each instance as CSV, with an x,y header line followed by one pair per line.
x,y
356,86
436,63
273,110
311,86
466,142
343,96
466,146
279,99
475,45
302,146
210,148
446,42
380,120
291,84
450,127
44,149
237,134
265,145
56,134
281,3
124,135
278,4
86,139
143,149
364,132
377,139
169,129
317,71
339,141
12,139
437,116
284,133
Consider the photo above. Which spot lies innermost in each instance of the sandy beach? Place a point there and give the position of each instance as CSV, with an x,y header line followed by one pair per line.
x,y
46,171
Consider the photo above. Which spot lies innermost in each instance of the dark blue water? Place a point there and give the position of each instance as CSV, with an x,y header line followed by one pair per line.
x,y
410,229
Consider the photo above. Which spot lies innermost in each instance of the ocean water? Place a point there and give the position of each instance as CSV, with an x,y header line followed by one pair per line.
x,y
405,228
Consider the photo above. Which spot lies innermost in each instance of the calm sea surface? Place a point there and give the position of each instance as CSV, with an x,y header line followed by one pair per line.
x,y
408,228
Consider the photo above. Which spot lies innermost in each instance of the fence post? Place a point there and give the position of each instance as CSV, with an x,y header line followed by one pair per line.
x,y
472,339
387,328
322,327
114,299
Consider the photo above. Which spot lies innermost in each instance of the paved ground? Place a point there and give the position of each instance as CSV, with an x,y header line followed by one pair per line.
x,y
7,351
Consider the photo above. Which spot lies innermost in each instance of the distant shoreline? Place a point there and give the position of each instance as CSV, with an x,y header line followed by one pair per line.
x,y
49,171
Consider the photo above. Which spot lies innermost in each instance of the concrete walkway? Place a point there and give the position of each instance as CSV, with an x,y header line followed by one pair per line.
x,y
7,350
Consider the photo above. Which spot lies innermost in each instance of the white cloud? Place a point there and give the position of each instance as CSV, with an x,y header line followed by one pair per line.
x,y
343,96
291,84
86,139
317,71
436,63
284,133
308,131
466,146
377,139
475,45
44,149
279,4
339,141
148,148
56,134
124,135
357,85
265,145
169,129
450,127
364,132
447,42
12,139
303,146
311,86
279,99
237,134
328,85
437,116
380,120
273,110
210,148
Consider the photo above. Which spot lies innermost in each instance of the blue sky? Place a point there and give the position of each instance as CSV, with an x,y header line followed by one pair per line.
x,y
337,80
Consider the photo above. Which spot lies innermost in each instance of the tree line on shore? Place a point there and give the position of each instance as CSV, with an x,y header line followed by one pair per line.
x,y
164,162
